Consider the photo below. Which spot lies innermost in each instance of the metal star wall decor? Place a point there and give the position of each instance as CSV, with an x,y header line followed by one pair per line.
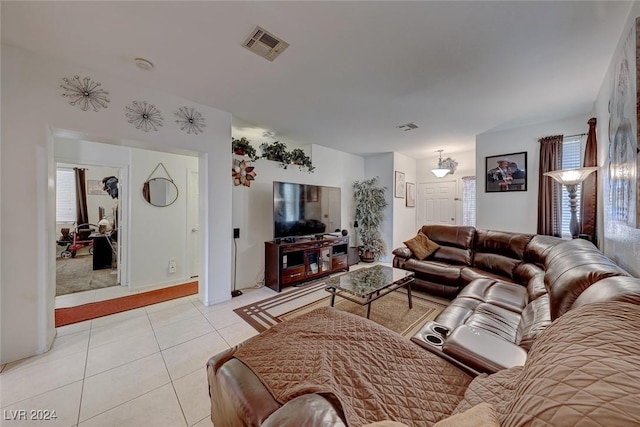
x,y
84,93
189,120
144,116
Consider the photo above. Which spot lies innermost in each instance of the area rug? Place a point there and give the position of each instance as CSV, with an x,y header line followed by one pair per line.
x,y
391,311
67,316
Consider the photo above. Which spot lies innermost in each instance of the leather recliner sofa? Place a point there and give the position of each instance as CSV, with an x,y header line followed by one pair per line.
x,y
554,320
515,285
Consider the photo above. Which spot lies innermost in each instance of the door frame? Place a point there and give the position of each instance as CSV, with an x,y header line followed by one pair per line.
x,y
191,207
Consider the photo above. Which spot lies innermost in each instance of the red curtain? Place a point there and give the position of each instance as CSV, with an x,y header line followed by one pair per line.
x,y
549,191
589,199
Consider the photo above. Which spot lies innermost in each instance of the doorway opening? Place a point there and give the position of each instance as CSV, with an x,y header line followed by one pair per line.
x,y
86,228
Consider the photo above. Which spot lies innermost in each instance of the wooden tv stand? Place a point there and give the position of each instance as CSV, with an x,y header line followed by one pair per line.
x,y
287,264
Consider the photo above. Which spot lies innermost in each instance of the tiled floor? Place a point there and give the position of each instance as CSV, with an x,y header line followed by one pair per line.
x,y
144,367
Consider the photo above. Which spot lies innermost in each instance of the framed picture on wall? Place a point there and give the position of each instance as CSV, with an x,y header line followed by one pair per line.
x,y
411,195
506,172
399,188
96,187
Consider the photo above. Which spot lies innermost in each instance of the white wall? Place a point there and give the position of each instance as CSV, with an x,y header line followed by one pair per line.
x,y
381,165
618,241
466,167
517,211
158,234
404,217
33,110
253,206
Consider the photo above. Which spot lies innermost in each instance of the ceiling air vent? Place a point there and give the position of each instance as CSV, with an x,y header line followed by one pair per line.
x,y
408,127
264,43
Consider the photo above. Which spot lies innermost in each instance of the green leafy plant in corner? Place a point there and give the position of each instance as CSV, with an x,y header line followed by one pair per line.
x,y
300,158
243,147
277,152
369,201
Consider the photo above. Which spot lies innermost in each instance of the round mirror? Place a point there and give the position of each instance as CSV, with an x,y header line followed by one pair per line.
x,y
159,192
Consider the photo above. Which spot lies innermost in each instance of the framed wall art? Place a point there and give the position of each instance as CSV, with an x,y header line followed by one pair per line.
x,y
399,188
411,195
506,172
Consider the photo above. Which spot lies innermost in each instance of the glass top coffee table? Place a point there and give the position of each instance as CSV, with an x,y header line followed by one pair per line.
x,y
365,285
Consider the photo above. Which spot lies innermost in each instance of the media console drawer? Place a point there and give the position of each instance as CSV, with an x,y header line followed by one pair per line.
x,y
339,262
293,274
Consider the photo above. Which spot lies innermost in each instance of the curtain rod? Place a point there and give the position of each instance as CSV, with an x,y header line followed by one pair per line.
x,y
571,136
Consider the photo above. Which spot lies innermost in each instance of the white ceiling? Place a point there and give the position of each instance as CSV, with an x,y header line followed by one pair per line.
x,y
354,70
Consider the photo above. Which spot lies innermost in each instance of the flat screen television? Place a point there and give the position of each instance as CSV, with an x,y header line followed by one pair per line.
x,y
304,210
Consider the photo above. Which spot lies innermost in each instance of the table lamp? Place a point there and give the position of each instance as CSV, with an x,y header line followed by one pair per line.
x,y
570,178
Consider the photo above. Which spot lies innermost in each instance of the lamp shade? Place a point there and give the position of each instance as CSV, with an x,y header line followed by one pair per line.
x,y
571,176
439,173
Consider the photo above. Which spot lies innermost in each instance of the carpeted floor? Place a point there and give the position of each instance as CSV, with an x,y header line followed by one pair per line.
x,y
391,311
77,275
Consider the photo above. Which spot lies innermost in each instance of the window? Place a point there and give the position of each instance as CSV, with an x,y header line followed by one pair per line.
x,y
65,195
571,159
469,200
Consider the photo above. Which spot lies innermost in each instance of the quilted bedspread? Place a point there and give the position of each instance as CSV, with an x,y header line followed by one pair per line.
x,y
584,370
374,373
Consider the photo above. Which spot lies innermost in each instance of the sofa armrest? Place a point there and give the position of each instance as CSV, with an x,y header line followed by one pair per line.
x,y
482,350
403,252
310,410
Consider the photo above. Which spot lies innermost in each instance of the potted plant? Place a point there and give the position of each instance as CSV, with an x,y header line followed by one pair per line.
x,y
277,152
243,147
369,203
300,158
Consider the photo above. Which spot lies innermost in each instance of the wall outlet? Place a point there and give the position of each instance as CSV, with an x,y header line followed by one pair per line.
x,y
172,266
236,233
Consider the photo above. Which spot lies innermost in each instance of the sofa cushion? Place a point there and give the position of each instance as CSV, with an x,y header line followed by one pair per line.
x,y
456,242
506,295
438,272
421,246
499,252
469,274
571,267
535,319
496,320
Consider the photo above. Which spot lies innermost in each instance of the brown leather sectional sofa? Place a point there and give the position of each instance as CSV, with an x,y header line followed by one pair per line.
x,y
556,320
513,287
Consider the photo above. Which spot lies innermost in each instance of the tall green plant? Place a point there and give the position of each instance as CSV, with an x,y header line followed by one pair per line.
x,y
369,205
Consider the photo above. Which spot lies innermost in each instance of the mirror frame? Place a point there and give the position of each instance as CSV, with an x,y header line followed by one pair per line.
x,y
169,181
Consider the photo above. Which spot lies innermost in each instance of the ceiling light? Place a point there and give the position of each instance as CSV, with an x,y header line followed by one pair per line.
x,y
143,64
445,167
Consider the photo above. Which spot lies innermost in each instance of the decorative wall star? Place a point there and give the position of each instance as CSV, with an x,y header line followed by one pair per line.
x,y
144,116
84,93
189,120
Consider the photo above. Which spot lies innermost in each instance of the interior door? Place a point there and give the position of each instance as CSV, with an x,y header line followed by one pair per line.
x,y
192,223
436,203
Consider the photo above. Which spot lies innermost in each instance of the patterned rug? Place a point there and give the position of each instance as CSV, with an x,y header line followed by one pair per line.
x,y
391,311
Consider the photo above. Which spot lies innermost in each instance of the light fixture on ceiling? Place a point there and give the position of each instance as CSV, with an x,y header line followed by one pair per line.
x,y
570,178
445,167
143,64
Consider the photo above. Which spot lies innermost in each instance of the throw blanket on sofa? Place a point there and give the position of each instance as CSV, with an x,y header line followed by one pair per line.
x,y
584,370
374,373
